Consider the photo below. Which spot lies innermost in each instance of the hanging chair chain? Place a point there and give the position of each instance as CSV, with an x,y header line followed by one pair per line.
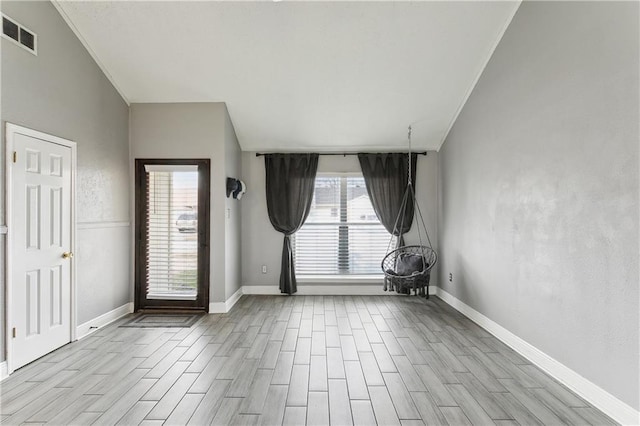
x,y
401,279
409,161
410,192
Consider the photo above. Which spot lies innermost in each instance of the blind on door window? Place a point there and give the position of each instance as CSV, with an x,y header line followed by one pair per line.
x,y
172,237
342,235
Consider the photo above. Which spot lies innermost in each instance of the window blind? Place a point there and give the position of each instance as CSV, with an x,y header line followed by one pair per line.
x,y
342,235
172,238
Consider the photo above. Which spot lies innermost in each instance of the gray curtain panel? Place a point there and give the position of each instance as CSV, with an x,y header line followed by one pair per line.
x,y
290,183
386,177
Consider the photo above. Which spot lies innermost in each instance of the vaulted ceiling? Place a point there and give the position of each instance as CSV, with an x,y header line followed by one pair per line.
x,y
323,76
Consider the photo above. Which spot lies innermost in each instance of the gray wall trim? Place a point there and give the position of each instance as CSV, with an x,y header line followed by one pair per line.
x,y
105,224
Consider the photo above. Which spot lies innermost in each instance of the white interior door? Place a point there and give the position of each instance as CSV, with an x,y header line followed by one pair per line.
x,y
40,248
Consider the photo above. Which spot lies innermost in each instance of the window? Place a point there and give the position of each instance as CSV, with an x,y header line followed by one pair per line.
x,y
172,245
342,235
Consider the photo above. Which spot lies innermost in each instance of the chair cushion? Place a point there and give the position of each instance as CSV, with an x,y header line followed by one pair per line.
x,y
410,263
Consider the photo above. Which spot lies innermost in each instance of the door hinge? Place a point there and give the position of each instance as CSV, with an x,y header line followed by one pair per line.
x,y
15,156
14,332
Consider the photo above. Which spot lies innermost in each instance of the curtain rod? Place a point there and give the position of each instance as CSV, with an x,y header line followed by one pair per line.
x,y
344,154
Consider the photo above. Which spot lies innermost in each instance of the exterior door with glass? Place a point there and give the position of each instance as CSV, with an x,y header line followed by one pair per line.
x,y
172,234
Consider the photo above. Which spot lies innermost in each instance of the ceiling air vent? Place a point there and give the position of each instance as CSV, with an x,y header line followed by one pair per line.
x,y
19,35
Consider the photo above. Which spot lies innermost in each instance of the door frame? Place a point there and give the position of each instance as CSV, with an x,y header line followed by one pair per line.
x,y
11,130
204,229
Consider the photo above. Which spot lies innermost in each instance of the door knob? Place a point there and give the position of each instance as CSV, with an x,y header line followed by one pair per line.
x,y
67,255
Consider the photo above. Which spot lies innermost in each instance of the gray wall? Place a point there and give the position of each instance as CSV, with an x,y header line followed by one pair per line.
x,y
539,189
193,130
64,93
233,167
262,245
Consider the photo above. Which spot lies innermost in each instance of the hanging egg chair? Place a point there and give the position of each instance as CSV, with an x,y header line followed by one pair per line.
x,y
409,267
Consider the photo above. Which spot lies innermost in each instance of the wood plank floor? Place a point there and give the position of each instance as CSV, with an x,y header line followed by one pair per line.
x,y
341,360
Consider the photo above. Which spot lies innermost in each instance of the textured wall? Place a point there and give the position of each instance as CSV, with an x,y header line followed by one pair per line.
x,y
64,93
262,245
110,243
539,189
190,130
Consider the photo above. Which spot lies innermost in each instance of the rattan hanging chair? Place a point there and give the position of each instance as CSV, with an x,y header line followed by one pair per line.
x,y
409,267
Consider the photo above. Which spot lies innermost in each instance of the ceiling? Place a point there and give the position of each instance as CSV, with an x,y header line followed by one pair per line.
x,y
300,76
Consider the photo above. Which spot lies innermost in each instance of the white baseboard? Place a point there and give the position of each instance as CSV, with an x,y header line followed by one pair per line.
x,y
89,327
318,290
218,308
595,395
224,307
234,299
260,289
4,371
326,290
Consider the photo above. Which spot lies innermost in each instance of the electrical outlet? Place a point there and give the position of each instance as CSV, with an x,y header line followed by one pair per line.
x,y
264,269
450,277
